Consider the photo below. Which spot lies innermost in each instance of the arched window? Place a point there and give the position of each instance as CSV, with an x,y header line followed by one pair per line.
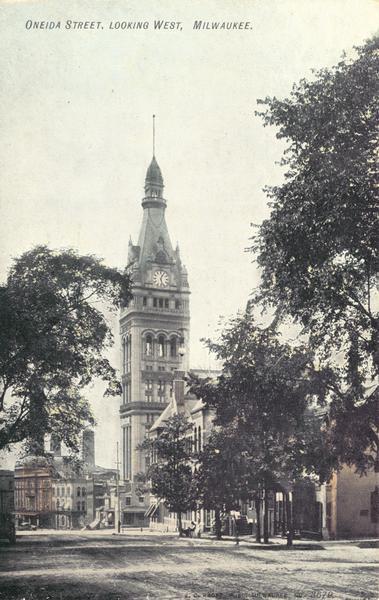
x,y
161,348
149,346
78,491
173,349
83,491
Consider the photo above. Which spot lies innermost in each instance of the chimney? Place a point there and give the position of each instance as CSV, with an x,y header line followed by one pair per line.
x,y
88,447
178,386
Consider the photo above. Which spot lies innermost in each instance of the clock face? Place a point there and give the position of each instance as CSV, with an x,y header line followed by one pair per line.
x,y
160,279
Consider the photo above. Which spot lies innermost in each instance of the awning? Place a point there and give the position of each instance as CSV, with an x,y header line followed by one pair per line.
x,y
152,509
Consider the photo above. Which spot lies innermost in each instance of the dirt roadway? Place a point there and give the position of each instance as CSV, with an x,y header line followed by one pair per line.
x,y
97,566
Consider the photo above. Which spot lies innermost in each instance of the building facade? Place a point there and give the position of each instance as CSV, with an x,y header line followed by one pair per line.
x,y
352,504
154,331
72,502
33,484
7,524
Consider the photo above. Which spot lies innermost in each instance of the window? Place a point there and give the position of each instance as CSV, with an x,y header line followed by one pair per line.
x,y
144,301
160,302
83,505
161,390
128,501
155,302
78,491
166,303
173,347
149,346
57,504
141,499
78,505
178,304
83,491
68,490
161,349
149,389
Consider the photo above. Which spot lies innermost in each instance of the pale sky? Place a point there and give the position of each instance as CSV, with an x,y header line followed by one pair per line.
x,y
75,122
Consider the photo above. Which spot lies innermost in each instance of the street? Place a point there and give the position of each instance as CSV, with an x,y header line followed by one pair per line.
x,y
98,565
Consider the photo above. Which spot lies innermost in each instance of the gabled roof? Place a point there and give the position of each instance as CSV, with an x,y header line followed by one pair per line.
x,y
168,412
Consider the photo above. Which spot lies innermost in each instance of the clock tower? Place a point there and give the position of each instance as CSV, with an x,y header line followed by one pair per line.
x,y
154,326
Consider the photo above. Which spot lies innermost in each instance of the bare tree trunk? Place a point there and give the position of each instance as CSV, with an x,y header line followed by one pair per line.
x,y
257,502
180,526
218,524
265,518
284,515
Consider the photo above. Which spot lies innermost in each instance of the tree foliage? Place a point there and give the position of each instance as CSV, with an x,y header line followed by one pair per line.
x,y
318,250
220,477
52,339
264,400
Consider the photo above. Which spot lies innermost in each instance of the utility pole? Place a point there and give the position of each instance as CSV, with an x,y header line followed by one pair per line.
x,y
117,520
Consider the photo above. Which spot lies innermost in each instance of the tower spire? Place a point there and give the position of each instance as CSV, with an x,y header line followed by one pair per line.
x,y
153,135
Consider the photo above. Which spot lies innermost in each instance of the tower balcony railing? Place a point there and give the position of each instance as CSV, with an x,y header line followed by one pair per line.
x,y
143,404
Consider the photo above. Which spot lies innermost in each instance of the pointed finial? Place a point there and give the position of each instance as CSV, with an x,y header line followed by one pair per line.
x,y
153,135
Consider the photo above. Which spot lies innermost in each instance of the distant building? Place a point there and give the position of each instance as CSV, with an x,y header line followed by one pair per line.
x,y
7,525
72,499
33,481
50,493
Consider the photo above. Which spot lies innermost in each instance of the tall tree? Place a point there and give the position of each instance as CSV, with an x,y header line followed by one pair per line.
x,y
318,250
263,398
52,342
171,471
219,475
